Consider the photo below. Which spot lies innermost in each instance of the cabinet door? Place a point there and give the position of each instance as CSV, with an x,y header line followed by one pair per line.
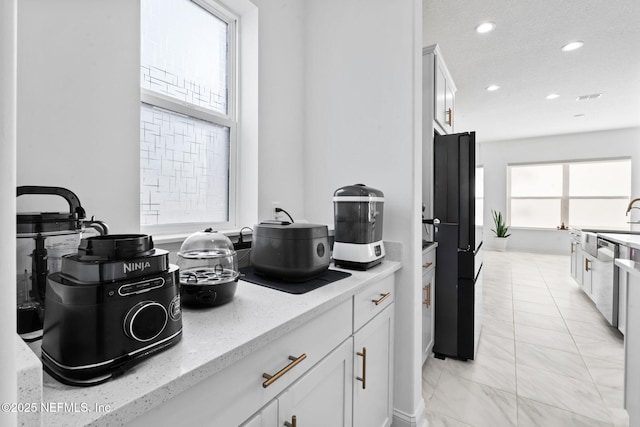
x,y
428,289
373,372
587,273
323,396
267,417
440,106
574,261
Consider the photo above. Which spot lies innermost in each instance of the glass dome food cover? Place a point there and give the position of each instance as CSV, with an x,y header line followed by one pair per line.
x,y
207,257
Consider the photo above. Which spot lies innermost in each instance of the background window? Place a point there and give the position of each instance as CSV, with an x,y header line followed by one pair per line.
x,y
479,195
187,129
579,194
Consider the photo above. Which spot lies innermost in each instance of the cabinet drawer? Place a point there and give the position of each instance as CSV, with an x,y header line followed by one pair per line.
x,y
372,300
428,260
236,392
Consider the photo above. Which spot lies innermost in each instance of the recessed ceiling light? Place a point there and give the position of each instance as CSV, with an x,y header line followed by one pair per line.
x,y
485,27
577,116
493,88
572,46
589,97
553,96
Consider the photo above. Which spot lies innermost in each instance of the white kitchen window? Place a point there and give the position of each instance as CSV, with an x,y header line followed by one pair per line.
x,y
594,193
188,119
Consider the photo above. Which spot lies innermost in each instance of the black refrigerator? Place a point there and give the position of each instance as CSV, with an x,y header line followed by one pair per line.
x,y
458,292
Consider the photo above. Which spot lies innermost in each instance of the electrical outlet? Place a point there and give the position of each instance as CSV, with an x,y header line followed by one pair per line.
x,y
274,205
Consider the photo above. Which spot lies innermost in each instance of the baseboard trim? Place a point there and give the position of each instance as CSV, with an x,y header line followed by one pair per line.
x,y
417,419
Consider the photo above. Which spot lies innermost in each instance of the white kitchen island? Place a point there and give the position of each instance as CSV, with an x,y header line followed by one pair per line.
x,y
632,340
211,359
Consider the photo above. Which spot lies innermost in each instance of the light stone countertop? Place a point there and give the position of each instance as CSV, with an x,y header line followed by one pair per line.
x,y
212,340
630,240
629,266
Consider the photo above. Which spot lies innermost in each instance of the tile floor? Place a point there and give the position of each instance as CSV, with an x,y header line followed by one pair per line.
x,y
546,356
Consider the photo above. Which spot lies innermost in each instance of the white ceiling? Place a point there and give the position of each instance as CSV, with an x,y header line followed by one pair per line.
x,y
522,55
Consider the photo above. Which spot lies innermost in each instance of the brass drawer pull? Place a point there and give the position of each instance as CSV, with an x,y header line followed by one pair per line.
x,y
586,265
363,378
427,265
293,422
382,298
427,295
270,379
449,118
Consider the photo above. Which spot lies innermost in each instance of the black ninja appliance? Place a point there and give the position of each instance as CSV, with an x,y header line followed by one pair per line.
x,y
358,216
113,304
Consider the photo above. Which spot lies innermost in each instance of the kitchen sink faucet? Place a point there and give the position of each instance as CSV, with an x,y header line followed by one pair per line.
x,y
631,204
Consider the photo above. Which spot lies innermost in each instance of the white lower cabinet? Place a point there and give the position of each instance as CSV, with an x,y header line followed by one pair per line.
x,y
322,397
373,372
334,370
427,301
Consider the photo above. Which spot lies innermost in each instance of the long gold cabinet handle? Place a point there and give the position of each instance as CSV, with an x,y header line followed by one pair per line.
x,y
363,378
449,118
427,265
586,265
427,295
270,379
293,423
382,298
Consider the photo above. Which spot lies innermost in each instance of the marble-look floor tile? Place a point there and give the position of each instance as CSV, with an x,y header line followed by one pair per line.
x,y
595,329
534,283
497,301
554,361
607,350
500,328
530,307
613,397
540,321
431,371
545,337
581,397
498,313
487,370
583,315
608,373
536,414
495,346
578,302
533,298
439,420
517,289
473,403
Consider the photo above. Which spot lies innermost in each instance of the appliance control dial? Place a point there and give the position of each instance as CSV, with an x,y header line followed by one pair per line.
x,y
145,321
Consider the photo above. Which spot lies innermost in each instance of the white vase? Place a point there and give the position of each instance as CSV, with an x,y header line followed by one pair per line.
x,y
500,243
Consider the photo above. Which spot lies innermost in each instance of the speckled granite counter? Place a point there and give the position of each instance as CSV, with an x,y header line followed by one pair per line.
x,y
212,340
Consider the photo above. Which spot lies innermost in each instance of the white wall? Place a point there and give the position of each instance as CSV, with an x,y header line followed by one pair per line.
x,y
280,168
363,125
8,71
495,156
78,103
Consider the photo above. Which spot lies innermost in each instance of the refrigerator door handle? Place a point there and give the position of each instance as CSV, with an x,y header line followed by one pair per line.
x,y
467,249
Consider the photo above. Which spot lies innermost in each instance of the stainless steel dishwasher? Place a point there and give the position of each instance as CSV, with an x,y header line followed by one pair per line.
x,y
605,281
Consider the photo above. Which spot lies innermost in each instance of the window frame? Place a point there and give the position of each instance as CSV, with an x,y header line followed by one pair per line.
x,y
565,198
229,120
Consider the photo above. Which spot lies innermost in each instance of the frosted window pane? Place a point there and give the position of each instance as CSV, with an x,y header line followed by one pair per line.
x,y
542,213
598,212
184,169
479,182
536,181
600,179
184,53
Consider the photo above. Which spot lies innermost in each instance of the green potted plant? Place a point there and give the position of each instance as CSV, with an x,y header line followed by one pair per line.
x,y
501,231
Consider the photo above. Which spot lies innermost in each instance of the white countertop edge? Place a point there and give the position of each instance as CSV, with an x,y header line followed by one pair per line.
x,y
629,266
29,382
126,407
